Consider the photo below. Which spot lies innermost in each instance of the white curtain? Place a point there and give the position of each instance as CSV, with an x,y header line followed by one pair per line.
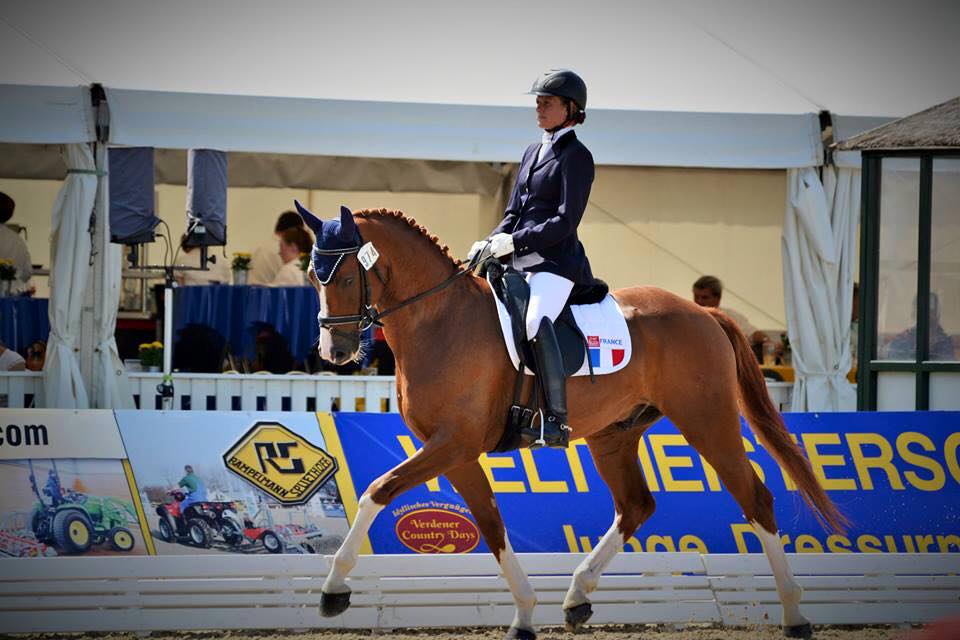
x,y
110,382
819,242
69,271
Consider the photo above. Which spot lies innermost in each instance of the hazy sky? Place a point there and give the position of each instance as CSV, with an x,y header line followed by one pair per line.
x,y
865,57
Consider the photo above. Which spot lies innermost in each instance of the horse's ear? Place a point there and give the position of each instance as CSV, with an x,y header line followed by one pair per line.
x,y
312,221
348,227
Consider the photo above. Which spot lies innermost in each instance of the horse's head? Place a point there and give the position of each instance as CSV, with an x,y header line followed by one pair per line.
x,y
341,282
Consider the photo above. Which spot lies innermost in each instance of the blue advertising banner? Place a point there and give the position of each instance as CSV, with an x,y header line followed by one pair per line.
x,y
895,475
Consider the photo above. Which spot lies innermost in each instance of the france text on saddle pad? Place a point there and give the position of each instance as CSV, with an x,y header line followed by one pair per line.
x,y
602,324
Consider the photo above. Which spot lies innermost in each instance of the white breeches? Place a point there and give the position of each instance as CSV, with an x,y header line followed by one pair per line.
x,y
548,295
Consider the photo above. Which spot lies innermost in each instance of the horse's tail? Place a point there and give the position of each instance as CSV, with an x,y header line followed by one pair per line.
x,y
767,423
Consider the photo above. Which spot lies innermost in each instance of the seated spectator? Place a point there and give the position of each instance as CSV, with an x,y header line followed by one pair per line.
x,y
272,352
293,243
12,246
10,360
707,291
36,355
199,349
266,262
904,345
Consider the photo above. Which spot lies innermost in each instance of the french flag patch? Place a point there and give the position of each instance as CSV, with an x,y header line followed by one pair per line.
x,y
599,348
593,345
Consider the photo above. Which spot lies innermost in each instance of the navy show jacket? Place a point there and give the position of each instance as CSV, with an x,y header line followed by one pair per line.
x,y
545,207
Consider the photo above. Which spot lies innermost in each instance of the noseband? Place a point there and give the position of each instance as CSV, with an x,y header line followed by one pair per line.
x,y
367,315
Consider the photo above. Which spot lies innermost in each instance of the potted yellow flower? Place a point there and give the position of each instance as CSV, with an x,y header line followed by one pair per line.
x,y
241,264
8,271
151,355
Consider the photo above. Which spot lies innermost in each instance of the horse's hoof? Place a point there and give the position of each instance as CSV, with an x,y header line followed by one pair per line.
x,y
333,604
576,616
804,631
519,634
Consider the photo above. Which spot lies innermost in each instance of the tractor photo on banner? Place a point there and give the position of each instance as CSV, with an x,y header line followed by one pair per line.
x,y
64,495
231,482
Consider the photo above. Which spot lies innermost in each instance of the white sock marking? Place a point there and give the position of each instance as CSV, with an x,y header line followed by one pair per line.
x,y
587,575
346,556
788,589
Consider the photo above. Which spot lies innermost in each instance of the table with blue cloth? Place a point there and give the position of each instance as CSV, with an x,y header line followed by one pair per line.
x,y
233,310
23,321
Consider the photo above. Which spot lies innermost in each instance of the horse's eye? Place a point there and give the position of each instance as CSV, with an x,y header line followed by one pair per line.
x,y
348,281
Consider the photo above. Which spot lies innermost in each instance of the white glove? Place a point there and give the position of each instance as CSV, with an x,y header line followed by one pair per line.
x,y
501,245
475,249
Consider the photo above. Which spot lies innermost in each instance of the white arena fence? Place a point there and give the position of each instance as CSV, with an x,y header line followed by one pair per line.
x,y
392,591
232,392
260,392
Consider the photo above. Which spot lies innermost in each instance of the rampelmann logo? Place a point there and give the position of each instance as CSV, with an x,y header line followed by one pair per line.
x,y
434,527
281,463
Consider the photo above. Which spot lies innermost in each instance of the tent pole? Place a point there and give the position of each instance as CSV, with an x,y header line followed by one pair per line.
x,y
165,388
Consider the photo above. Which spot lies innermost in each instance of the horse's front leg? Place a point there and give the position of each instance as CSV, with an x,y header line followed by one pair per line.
x,y
437,456
473,486
614,454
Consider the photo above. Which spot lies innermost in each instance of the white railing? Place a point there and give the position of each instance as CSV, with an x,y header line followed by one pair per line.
x,y
260,392
21,389
268,392
57,595
232,392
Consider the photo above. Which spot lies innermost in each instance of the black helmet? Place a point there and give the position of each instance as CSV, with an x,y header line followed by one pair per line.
x,y
562,83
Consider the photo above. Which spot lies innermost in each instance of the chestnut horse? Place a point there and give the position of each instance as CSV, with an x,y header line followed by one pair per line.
x,y
454,381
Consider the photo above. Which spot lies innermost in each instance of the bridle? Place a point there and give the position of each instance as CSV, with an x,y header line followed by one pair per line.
x,y
367,315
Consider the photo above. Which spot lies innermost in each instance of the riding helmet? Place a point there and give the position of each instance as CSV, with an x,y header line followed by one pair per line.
x,y
562,83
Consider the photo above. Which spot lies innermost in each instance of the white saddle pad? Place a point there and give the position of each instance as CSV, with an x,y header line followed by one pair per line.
x,y
602,324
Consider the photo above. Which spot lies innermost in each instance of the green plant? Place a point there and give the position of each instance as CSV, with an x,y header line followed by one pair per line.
x,y
151,354
7,269
304,261
241,261
785,341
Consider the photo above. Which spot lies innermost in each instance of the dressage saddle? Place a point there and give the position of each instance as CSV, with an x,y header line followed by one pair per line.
x,y
511,288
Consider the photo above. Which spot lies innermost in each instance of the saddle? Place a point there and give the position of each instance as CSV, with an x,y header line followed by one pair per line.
x,y
511,288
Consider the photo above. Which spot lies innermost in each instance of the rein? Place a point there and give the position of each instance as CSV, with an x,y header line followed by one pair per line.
x,y
367,315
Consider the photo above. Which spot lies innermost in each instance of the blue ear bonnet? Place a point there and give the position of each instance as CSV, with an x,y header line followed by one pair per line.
x,y
331,235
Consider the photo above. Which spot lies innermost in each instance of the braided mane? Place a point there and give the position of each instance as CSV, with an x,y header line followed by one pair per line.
x,y
399,216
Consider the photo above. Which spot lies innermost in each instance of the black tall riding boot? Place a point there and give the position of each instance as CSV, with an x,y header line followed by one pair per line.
x,y
552,430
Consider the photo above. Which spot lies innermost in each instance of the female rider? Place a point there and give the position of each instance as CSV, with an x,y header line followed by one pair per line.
x,y
539,231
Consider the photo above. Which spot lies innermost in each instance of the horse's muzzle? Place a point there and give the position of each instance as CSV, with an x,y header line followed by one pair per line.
x,y
341,357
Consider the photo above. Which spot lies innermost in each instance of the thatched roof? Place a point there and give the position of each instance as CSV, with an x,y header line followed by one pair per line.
x,y
935,128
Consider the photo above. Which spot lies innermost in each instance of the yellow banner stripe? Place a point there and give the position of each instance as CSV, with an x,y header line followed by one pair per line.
x,y
348,494
141,514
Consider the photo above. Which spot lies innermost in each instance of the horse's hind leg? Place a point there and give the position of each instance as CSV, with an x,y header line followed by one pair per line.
x,y
436,457
474,488
716,435
614,452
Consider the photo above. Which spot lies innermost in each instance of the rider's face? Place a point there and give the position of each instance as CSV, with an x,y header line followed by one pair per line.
x,y
551,112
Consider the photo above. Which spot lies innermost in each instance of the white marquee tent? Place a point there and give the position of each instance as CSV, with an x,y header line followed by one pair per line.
x,y
694,83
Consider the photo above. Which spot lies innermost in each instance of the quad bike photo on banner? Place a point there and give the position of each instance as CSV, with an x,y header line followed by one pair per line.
x,y
199,523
